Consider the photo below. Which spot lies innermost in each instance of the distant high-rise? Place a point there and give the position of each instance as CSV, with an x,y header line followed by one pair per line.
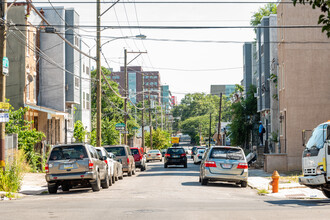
x,y
224,89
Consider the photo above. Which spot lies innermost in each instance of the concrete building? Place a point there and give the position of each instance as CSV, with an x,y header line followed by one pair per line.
x,y
166,98
247,67
303,79
24,86
135,73
225,89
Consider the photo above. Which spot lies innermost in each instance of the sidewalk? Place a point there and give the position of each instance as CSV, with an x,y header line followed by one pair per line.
x,y
258,180
33,184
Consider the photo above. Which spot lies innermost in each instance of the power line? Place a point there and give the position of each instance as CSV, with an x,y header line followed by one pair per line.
x,y
165,2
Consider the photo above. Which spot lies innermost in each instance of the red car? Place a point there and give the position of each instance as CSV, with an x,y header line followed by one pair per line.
x,y
140,159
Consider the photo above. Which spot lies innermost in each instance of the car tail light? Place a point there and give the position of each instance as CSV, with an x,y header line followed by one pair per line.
x,y
242,166
210,164
46,168
158,154
198,155
149,155
90,165
127,160
106,161
141,157
167,155
182,155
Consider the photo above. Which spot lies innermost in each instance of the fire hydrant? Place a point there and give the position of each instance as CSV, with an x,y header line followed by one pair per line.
x,y
274,183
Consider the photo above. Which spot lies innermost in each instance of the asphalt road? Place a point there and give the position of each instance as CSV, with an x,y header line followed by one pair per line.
x,y
159,193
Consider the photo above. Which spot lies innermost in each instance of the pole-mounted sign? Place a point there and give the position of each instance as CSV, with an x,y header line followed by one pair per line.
x,y
5,66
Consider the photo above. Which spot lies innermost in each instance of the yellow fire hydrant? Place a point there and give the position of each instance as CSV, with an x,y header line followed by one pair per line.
x,y
274,183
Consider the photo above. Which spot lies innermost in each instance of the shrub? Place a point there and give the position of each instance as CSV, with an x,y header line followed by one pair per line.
x,y
11,178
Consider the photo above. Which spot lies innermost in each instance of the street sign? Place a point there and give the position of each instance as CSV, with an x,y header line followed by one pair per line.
x,y
4,117
5,66
120,126
124,132
135,128
4,105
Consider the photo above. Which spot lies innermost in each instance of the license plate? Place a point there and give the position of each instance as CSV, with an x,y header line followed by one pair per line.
x,y
68,166
176,156
226,166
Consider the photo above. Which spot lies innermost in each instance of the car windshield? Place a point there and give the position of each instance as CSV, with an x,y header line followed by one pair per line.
x,y
201,151
227,153
317,138
68,152
175,151
118,151
135,151
153,151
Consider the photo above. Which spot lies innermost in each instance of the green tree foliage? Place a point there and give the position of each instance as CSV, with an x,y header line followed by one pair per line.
x,y
267,10
160,139
79,132
324,6
244,117
27,137
194,112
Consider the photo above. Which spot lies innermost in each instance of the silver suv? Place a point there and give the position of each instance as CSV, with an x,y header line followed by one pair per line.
x,y
222,163
75,165
123,153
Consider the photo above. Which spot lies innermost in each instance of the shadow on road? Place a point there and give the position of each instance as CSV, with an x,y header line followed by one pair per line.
x,y
307,203
212,184
167,174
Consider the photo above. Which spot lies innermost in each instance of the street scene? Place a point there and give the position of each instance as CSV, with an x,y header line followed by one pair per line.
x,y
131,109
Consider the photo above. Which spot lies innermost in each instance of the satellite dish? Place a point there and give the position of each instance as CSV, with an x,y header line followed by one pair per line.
x,y
30,78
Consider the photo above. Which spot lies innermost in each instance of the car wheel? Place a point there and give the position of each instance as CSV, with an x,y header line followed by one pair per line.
x,y
165,165
65,187
185,165
142,168
133,171
147,161
105,182
129,173
110,181
122,176
96,185
199,179
204,182
116,176
244,184
326,193
161,160
52,188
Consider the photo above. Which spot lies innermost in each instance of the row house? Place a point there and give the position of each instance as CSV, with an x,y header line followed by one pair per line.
x,y
40,75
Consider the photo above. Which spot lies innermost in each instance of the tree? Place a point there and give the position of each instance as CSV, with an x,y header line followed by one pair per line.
x,y
324,6
267,10
27,137
160,139
79,132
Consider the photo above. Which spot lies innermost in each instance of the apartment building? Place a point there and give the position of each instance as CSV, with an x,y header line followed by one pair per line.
x,y
303,79
23,86
247,67
166,98
151,81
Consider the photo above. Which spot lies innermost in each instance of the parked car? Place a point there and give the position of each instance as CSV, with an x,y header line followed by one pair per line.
x,y
163,151
193,152
118,166
123,152
139,158
110,164
175,156
222,163
154,155
199,155
75,165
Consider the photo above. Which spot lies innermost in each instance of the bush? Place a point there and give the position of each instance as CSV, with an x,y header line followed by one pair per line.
x,y
11,178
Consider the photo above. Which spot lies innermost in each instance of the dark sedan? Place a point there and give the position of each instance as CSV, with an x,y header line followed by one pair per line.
x,y
175,156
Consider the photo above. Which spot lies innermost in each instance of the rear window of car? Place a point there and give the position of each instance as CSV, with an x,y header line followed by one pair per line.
x,y
153,151
118,151
201,150
135,151
175,151
68,152
227,153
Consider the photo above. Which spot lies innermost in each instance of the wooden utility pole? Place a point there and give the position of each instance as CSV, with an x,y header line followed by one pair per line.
x,y
210,130
142,118
150,121
219,124
98,74
3,44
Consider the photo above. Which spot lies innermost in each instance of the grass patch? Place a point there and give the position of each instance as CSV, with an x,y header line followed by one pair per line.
x,y
262,191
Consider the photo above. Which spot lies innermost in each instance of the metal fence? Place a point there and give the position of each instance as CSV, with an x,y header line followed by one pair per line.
x,y
11,145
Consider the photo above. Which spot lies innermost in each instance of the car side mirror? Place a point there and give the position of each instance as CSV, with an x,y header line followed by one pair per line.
x,y
103,158
328,133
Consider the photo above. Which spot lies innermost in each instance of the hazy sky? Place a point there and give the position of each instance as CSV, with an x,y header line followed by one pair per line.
x,y
185,66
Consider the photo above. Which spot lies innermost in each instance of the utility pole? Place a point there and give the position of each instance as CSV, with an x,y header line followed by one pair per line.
x,y
126,94
3,44
98,73
210,130
142,118
150,121
219,124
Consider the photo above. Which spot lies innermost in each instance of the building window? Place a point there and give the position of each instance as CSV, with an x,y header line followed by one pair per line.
x,y
87,101
76,82
84,97
83,68
87,70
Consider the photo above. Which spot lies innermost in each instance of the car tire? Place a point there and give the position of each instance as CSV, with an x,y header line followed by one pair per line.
x,y
113,179
143,168
133,171
244,184
185,165
204,182
52,188
200,180
165,165
96,185
110,181
147,161
121,177
129,173
105,182
326,193
161,160
65,187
